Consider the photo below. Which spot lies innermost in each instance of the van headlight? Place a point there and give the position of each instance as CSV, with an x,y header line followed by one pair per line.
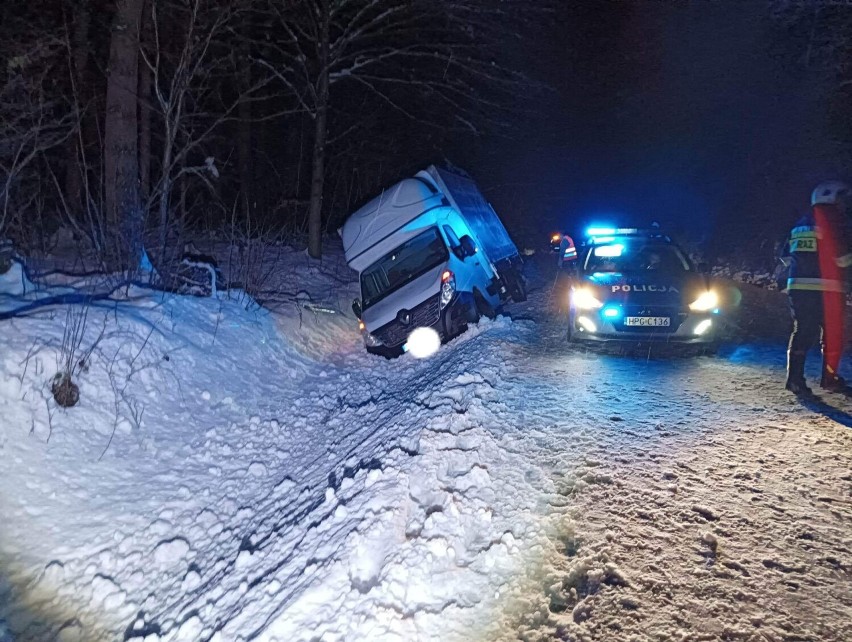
x,y
371,341
706,301
448,287
583,299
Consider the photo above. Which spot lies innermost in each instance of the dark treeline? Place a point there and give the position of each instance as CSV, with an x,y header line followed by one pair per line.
x,y
143,122
134,123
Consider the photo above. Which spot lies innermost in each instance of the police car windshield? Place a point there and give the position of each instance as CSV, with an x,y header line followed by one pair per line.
x,y
635,255
404,264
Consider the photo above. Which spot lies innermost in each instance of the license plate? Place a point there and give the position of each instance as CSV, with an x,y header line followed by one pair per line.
x,y
655,322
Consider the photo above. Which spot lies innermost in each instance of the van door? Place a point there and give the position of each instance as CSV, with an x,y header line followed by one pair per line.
x,y
470,272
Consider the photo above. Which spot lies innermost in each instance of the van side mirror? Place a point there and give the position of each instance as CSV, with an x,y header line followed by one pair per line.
x,y
356,307
467,246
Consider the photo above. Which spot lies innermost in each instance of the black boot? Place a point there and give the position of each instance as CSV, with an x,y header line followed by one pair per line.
x,y
796,374
832,382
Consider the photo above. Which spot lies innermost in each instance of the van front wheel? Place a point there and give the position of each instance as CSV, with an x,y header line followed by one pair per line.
x,y
457,316
516,285
483,307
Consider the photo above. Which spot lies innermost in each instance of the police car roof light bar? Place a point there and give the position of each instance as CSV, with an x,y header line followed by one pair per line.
x,y
607,235
600,231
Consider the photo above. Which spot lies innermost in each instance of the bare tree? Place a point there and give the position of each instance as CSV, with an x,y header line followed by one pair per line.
x,y
121,150
814,38
78,54
435,61
191,92
32,120
145,108
823,30
244,127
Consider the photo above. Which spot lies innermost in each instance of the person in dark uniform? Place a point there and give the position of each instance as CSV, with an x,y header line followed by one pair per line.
x,y
817,257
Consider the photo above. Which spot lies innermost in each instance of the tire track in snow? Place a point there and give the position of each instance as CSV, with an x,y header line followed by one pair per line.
x,y
279,540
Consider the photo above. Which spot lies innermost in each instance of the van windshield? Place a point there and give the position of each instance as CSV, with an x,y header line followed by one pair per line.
x,y
404,264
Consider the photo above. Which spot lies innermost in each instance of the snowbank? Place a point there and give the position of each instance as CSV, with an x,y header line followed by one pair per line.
x,y
236,474
15,283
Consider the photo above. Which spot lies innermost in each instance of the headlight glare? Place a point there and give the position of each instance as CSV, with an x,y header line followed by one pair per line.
x,y
423,343
705,302
703,327
583,299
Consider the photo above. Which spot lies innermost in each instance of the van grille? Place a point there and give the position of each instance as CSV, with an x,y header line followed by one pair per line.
x,y
426,314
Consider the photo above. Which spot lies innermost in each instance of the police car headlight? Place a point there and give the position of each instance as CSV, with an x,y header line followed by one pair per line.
x,y
583,299
705,302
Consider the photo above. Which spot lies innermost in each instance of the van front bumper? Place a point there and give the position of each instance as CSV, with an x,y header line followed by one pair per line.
x,y
447,322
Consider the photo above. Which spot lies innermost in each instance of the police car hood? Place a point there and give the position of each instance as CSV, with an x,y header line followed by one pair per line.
x,y
647,287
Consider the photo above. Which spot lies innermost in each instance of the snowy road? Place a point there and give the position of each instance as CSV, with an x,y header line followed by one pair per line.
x,y
507,488
700,502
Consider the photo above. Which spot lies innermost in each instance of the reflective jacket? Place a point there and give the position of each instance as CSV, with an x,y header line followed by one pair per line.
x,y
816,251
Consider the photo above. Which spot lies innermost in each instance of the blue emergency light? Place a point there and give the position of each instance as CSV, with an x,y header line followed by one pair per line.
x,y
609,251
595,232
600,231
611,312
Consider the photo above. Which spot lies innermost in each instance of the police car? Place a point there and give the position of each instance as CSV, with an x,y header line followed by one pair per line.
x,y
638,285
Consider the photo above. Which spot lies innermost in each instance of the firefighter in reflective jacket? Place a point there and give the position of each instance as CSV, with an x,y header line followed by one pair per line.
x,y
817,257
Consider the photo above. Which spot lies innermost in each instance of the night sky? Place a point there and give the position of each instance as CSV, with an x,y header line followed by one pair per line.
x,y
694,114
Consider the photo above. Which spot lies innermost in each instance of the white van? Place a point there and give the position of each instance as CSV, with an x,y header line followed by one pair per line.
x,y
430,252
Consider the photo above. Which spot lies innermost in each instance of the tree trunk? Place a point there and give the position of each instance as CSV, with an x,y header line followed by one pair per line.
x,y
145,83
166,189
79,58
244,153
320,132
121,161
244,131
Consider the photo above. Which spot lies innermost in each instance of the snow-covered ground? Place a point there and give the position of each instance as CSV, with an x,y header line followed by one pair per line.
x,y
234,474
